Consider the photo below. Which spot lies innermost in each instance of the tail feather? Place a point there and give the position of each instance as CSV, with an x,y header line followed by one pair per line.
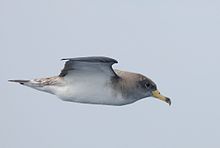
x,y
42,84
22,82
38,82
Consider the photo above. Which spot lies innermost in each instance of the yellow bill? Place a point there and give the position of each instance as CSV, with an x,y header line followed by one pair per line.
x,y
157,95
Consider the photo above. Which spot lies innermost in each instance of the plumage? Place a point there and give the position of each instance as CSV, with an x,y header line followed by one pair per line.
x,y
86,65
92,80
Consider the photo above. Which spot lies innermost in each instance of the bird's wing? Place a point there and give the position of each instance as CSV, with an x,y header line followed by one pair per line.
x,y
101,66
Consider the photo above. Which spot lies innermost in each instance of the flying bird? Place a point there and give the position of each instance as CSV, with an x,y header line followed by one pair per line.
x,y
92,80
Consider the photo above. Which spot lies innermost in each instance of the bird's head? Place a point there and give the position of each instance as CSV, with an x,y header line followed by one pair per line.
x,y
150,89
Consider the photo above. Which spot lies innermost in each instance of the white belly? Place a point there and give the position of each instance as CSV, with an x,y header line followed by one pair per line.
x,y
92,92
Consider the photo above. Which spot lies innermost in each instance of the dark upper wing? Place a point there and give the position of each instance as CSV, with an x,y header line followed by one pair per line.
x,y
89,65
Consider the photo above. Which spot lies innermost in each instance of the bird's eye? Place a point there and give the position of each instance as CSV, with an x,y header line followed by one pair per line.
x,y
147,84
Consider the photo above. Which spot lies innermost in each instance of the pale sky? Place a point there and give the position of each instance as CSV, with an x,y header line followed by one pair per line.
x,y
175,43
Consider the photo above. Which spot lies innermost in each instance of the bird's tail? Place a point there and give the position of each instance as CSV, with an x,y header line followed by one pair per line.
x,y
42,84
30,83
38,82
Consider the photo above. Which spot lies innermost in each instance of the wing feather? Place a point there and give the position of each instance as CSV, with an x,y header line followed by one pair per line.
x,y
89,65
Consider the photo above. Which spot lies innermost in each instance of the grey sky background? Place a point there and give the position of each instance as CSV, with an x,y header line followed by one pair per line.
x,y
176,43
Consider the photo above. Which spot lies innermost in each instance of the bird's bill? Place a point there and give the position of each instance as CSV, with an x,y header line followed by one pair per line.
x,y
157,95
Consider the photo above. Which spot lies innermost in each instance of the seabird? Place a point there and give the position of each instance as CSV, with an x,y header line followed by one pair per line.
x,y
92,80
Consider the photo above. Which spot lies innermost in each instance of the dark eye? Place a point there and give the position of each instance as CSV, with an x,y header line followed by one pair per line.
x,y
147,85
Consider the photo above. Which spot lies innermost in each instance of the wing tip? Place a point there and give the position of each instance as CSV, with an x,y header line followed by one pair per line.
x,y
22,82
64,59
92,59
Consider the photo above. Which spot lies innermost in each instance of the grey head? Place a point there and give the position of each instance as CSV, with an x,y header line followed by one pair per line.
x,y
136,86
149,89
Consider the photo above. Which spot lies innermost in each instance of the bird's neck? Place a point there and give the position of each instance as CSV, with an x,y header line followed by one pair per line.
x,y
127,84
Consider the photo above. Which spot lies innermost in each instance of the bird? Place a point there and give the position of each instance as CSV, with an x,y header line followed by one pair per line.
x,y
92,80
